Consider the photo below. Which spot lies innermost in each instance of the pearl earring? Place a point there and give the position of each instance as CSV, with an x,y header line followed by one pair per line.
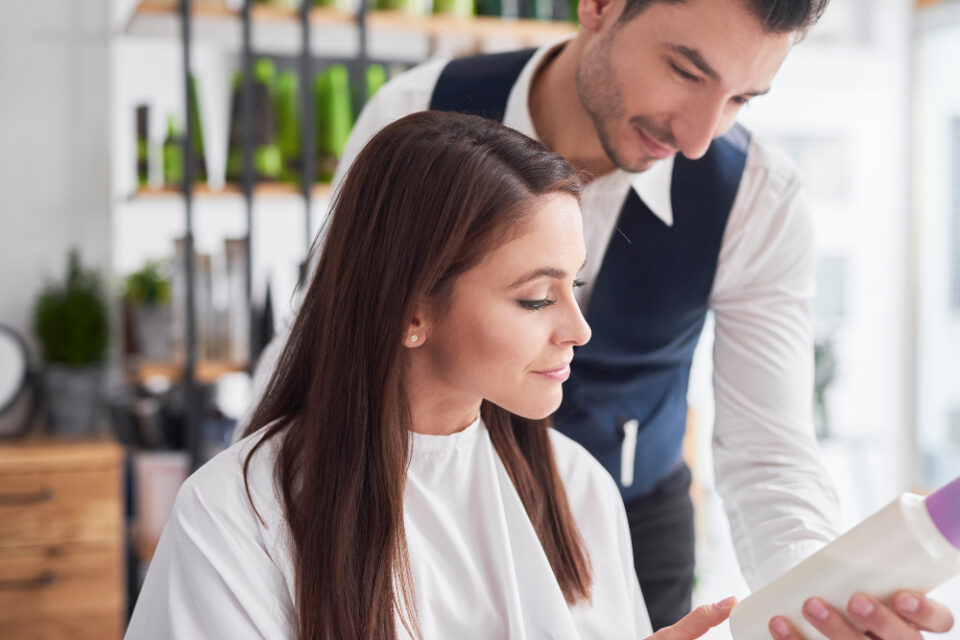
x,y
413,338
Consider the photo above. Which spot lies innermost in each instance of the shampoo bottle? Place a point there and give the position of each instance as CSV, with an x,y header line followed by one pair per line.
x,y
912,544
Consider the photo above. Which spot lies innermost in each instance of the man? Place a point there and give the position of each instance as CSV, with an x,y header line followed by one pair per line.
x,y
683,213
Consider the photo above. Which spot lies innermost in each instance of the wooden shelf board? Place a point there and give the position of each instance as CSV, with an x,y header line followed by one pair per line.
x,y
207,371
258,12
320,191
476,27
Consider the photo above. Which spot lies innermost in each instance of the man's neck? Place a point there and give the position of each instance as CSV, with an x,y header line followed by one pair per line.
x,y
560,120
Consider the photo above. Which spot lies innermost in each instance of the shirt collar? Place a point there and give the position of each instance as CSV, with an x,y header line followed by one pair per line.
x,y
652,185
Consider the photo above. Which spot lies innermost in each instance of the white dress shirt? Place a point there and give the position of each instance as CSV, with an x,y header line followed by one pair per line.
x,y
776,493
478,568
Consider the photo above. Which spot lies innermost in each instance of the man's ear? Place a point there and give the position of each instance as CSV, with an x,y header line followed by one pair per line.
x,y
594,14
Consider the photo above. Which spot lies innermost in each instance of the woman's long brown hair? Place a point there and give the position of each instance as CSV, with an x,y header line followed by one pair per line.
x,y
425,200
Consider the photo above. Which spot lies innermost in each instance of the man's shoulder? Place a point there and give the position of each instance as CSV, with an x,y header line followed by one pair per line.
x,y
414,86
770,167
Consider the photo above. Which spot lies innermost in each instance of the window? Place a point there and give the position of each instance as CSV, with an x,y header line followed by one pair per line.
x,y
955,214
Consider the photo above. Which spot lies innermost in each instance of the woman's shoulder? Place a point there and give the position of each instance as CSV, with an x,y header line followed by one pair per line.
x,y
584,478
222,486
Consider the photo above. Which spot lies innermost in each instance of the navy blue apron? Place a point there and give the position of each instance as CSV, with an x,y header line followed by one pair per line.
x,y
650,299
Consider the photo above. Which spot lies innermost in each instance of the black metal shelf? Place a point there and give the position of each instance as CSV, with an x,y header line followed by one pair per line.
x,y
248,187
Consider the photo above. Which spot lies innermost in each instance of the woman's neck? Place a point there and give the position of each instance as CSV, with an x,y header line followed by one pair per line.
x,y
436,408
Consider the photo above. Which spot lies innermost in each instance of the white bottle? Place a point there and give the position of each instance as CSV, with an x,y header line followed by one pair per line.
x,y
911,544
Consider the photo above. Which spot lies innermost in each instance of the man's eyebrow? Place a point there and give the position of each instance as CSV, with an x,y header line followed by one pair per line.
x,y
758,92
696,59
549,272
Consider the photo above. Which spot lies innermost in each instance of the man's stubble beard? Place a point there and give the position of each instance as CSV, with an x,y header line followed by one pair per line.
x,y
603,102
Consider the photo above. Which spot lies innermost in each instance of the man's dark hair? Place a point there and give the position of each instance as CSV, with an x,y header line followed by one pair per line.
x,y
776,16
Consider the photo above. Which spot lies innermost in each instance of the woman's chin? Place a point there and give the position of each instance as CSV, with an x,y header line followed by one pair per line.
x,y
538,411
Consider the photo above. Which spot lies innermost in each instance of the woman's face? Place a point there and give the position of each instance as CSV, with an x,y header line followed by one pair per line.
x,y
508,333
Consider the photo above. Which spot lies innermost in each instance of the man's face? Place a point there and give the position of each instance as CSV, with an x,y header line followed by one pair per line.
x,y
674,77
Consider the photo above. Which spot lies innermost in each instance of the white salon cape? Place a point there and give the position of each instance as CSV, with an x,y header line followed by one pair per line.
x,y
479,570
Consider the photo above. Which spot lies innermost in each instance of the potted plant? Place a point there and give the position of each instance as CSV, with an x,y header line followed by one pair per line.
x,y
147,292
71,321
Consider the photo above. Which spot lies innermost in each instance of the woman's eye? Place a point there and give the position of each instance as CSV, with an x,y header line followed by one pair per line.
x,y
535,305
578,283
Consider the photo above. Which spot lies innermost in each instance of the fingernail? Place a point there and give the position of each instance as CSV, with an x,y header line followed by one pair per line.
x,y
817,609
861,606
780,627
726,603
908,603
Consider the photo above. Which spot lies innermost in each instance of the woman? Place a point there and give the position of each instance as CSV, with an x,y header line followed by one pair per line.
x,y
400,477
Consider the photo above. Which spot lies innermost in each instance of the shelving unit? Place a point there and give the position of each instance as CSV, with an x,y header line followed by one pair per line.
x,y
157,19
320,191
205,371
311,37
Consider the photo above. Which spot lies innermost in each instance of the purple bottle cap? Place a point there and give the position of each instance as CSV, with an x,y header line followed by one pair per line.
x,y
943,505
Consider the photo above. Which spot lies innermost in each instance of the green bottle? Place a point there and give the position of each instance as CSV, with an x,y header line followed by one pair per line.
x,y
376,77
409,7
267,159
334,118
196,124
536,9
143,145
456,8
286,107
173,155
489,8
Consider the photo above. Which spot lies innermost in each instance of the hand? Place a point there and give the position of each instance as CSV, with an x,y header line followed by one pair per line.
x,y
903,618
697,622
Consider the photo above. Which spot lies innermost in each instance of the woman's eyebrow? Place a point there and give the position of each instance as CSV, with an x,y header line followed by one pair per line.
x,y
549,272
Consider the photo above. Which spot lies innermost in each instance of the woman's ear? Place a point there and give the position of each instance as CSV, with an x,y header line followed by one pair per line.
x,y
594,14
416,333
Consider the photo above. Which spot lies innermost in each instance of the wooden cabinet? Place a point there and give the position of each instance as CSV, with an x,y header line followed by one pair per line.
x,y
61,540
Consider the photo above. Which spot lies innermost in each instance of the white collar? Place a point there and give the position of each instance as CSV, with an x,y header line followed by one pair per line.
x,y
652,185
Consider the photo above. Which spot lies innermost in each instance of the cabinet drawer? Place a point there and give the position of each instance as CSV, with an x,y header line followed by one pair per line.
x,y
36,586
52,508
84,627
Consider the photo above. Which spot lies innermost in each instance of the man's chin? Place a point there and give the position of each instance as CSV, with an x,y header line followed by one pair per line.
x,y
639,165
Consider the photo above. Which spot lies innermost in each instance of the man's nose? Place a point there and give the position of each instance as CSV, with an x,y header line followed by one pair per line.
x,y
698,126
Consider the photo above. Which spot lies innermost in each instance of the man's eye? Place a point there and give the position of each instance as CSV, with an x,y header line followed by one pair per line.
x,y
535,305
683,74
578,283
740,100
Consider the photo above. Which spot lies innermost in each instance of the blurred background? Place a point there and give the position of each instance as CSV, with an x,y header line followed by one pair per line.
x,y
132,310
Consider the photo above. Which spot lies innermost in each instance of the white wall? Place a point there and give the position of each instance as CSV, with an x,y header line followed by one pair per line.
x,y
937,174
858,94
54,136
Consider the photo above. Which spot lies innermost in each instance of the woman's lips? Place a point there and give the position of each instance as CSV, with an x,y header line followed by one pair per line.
x,y
558,374
654,148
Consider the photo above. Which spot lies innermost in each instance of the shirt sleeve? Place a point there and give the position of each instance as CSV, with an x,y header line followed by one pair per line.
x,y
211,576
769,473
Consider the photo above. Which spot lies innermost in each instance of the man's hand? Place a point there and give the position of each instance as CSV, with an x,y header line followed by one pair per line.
x,y
697,622
902,618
